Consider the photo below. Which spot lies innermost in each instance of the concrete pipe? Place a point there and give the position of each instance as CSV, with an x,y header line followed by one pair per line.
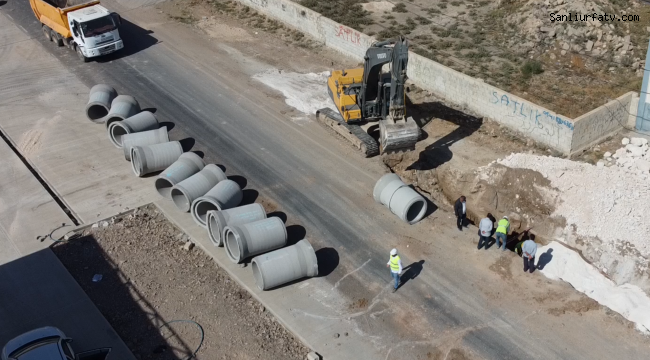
x,y
225,195
99,102
285,265
218,220
122,107
258,237
195,186
400,198
144,138
185,166
151,158
139,122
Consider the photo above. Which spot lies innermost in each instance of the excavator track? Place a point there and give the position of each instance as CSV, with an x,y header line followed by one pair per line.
x,y
353,133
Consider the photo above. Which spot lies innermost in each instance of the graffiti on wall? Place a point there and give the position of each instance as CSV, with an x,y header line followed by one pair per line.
x,y
349,35
531,119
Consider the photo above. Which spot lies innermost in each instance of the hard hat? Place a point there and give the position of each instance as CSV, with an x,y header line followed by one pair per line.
x,y
505,217
393,252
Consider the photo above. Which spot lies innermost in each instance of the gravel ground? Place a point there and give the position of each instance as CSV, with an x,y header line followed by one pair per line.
x,y
149,279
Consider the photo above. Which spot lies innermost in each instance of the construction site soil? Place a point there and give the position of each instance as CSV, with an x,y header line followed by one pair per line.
x,y
151,277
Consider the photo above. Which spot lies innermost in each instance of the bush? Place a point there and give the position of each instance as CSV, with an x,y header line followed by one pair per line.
x,y
531,67
400,8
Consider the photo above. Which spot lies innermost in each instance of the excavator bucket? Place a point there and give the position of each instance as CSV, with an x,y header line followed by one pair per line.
x,y
398,136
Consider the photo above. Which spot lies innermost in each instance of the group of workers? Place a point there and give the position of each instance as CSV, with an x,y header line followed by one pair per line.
x,y
525,248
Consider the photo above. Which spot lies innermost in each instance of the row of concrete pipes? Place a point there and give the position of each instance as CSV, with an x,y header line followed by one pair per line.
x,y
202,190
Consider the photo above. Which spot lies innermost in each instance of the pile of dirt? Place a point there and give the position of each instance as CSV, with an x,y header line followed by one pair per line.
x,y
141,274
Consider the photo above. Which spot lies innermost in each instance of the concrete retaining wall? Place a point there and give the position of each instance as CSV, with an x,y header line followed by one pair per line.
x,y
533,121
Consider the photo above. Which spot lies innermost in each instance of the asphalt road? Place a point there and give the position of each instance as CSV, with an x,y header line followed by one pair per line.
x,y
453,303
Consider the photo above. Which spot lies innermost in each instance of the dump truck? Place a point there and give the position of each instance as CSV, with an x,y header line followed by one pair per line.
x,y
84,26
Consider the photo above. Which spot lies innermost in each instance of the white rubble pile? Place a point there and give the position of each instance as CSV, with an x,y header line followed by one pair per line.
x,y
628,300
304,92
610,203
633,157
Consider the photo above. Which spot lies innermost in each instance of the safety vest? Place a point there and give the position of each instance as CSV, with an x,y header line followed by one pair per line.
x,y
503,226
394,263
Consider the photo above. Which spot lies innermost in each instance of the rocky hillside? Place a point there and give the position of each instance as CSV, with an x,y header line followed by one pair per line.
x,y
570,67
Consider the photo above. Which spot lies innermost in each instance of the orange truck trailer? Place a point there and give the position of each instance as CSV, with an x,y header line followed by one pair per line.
x,y
84,26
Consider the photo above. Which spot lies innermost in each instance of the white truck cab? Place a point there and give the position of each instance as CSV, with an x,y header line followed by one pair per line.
x,y
94,31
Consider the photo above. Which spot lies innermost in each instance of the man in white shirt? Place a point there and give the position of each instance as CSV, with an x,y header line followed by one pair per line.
x,y
485,230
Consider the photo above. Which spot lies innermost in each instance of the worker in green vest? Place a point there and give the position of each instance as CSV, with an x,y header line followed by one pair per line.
x,y
395,265
503,228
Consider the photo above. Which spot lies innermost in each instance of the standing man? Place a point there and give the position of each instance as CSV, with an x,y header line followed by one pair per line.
x,y
395,264
460,209
503,228
485,230
528,251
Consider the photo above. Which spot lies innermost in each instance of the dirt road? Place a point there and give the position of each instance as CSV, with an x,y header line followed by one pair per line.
x,y
452,302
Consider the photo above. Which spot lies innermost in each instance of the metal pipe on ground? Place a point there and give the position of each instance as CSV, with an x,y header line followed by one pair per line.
x,y
258,237
99,102
139,122
197,185
285,265
218,220
225,195
185,166
122,107
151,158
144,138
400,198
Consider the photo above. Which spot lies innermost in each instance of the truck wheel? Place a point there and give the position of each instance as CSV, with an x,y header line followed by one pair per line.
x,y
56,38
47,32
80,54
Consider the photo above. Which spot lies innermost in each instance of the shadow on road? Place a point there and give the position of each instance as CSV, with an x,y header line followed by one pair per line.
x,y
544,259
2,3
328,261
411,272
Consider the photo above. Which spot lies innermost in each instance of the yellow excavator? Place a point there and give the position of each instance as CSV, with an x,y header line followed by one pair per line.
x,y
369,94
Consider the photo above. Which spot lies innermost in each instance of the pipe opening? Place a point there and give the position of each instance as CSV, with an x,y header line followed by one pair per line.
x,y
117,131
113,119
179,198
164,187
96,111
232,246
416,211
213,230
202,209
135,162
257,275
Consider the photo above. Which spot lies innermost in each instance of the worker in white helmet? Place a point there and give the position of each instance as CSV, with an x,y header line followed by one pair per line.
x,y
395,265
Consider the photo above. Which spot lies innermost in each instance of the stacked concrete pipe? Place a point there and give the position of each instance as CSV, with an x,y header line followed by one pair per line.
x,y
258,237
99,102
225,195
144,138
151,158
197,185
401,199
185,166
139,122
122,107
217,221
285,265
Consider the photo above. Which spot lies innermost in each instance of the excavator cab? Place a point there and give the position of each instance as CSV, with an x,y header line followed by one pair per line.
x,y
375,92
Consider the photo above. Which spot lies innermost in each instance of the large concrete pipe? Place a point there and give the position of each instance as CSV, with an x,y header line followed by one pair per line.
x,y
139,122
99,102
400,198
122,107
185,166
151,158
218,220
144,138
285,265
196,186
258,237
225,195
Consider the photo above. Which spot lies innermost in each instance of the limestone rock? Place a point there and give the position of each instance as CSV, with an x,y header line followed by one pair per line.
x,y
589,46
625,141
638,141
